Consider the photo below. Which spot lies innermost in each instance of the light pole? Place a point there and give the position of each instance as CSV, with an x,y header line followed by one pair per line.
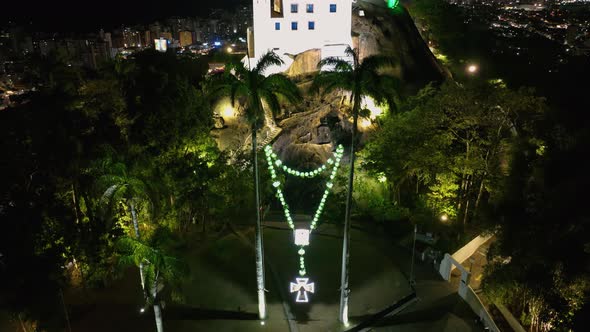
x,y
412,281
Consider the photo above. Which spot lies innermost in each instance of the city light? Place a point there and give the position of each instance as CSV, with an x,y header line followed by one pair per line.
x,y
229,50
472,69
444,217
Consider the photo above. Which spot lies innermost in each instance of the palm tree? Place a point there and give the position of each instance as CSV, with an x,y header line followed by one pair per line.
x,y
122,187
158,266
240,82
360,79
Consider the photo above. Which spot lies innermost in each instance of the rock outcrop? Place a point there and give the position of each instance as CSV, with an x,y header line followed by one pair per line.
x,y
388,32
305,63
392,32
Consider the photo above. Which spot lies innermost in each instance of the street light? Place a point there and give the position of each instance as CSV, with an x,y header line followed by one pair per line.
x,y
472,69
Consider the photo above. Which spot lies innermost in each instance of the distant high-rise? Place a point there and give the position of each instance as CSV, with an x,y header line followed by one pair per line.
x,y
146,38
185,38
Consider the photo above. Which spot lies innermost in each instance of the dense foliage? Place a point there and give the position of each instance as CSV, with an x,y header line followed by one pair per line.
x,y
87,148
488,158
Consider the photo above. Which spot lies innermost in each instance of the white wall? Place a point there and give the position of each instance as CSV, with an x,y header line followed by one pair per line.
x,y
479,309
470,248
330,28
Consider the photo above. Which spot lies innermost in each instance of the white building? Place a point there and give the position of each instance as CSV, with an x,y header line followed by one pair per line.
x,y
294,26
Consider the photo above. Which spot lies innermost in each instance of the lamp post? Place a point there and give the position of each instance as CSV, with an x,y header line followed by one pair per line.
x,y
412,281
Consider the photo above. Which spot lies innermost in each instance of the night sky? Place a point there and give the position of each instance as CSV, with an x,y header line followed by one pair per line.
x,y
89,15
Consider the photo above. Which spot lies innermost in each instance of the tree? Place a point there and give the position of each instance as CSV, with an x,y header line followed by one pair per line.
x,y
158,266
539,263
450,145
122,187
250,85
360,79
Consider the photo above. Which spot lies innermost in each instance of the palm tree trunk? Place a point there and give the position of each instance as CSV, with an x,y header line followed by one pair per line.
x,y
344,291
157,308
258,239
66,315
22,324
136,228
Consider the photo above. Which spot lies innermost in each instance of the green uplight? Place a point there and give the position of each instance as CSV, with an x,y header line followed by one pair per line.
x,y
392,3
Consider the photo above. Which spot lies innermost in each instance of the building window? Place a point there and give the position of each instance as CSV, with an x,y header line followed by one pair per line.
x,y
294,8
276,8
310,8
277,25
332,8
293,25
311,25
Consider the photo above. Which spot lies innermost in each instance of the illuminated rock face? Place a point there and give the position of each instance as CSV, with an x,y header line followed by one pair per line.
x,y
290,27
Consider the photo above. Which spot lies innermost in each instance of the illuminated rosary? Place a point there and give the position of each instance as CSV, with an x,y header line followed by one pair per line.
x,y
301,285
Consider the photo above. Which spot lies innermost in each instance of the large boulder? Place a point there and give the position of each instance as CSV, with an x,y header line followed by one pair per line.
x,y
305,62
392,32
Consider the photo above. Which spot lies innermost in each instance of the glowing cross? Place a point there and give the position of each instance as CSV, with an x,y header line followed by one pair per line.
x,y
302,287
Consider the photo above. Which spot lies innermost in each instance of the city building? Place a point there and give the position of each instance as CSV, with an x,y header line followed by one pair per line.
x,y
290,27
185,38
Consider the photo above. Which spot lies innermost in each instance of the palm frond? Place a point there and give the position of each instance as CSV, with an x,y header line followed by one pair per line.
x,y
218,85
330,81
281,84
382,88
353,52
376,62
337,64
237,90
269,59
272,101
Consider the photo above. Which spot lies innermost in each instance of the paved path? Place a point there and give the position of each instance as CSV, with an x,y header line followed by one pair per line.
x,y
376,282
220,291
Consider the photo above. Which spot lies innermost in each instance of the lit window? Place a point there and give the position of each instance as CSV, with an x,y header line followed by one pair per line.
x,y
310,8
332,8
294,8
311,25
293,25
277,25
276,9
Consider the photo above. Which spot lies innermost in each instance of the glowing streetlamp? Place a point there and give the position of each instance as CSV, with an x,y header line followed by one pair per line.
x,y
229,50
444,217
472,69
228,111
